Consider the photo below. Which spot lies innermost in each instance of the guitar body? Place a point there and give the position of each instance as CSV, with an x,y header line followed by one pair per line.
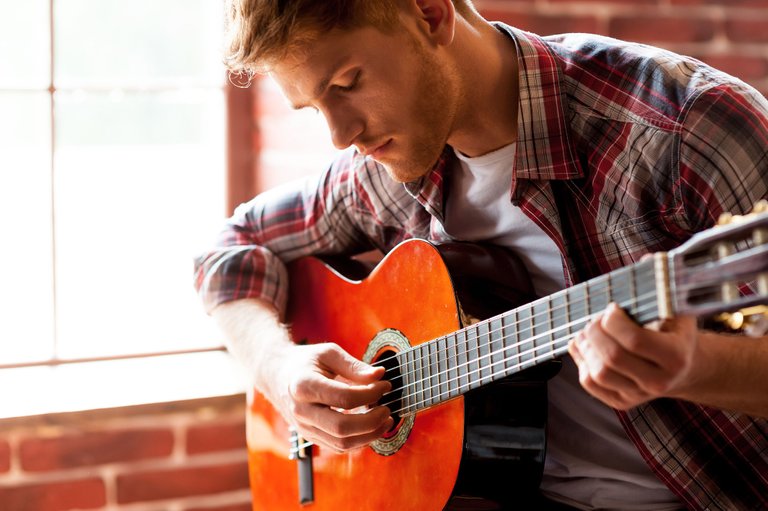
x,y
483,444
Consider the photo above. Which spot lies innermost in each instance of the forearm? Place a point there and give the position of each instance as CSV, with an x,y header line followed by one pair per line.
x,y
731,373
253,335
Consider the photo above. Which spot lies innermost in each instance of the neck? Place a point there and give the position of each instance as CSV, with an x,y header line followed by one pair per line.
x,y
487,116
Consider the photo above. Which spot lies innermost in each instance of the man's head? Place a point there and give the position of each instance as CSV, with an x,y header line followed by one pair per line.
x,y
384,73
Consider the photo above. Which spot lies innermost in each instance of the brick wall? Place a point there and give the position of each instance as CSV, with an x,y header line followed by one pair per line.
x,y
187,456
731,35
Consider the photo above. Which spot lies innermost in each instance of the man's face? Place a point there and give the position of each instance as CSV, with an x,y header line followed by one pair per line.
x,y
389,95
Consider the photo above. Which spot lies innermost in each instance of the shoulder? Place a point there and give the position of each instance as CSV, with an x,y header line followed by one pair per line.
x,y
650,82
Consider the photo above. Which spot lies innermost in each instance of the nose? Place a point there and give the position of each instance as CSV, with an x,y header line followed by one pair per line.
x,y
344,124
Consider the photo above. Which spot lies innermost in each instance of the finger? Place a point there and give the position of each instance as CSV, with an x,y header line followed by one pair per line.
x,y
338,362
657,348
620,399
325,391
344,443
607,360
343,425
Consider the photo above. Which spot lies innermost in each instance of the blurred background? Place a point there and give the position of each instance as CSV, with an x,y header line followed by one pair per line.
x,y
123,146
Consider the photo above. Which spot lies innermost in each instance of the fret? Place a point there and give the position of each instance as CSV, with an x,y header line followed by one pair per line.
x,y
462,362
541,331
442,369
472,356
510,339
496,340
407,396
622,289
645,283
598,295
421,374
453,374
434,374
559,317
484,352
576,307
525,331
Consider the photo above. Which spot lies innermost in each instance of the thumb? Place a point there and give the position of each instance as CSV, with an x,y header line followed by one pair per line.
x,y
339,362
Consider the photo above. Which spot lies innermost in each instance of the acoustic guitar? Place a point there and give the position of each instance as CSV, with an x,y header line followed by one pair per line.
x,y
468,396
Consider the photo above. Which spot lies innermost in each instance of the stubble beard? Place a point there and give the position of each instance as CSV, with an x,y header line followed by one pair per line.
x,y
433,115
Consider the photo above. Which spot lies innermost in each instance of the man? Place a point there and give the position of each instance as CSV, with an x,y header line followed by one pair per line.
x,y
580,153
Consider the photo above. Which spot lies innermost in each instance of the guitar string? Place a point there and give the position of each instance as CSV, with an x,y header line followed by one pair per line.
x,y
502,351
475,338
522,364
406,370
607,287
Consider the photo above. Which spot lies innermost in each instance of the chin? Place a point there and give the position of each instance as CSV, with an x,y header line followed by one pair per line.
x,y
401,175
406,173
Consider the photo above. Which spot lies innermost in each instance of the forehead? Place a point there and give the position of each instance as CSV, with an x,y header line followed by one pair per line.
x,y
304,72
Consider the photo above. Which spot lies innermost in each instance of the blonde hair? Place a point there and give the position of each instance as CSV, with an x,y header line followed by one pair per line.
x,y
262,32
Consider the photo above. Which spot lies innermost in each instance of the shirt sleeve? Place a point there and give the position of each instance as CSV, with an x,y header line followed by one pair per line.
x,y
317,215
350,208
723,153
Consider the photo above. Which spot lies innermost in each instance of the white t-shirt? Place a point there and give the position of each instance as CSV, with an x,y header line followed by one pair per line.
x,y
590,463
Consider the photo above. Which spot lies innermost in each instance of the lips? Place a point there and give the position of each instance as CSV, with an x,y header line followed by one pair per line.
x,y
379,151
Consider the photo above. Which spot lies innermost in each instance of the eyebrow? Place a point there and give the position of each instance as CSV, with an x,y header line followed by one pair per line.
x,y
323,83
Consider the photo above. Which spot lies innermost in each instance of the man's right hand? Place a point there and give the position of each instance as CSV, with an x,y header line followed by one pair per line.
x,y
326,394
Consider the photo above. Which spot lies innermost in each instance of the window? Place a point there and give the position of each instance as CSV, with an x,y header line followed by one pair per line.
x,y
112,175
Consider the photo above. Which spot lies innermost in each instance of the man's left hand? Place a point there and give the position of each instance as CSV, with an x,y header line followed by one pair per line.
x,y
624,364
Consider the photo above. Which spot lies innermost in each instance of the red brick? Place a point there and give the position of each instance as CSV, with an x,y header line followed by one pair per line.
x,y
743,30
755,4
54,496
543,24
5,456
175,483
654,29
94,448
742,66
216,437
620,2
234,507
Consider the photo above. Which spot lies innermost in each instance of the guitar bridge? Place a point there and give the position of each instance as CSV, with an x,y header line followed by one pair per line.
x,y
301,451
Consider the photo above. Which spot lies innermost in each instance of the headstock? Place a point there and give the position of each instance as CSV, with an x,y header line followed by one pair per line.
x,y
712,272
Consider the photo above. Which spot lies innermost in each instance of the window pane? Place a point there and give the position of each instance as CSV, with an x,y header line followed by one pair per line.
x,y
26,300
141,42
25,44
139,188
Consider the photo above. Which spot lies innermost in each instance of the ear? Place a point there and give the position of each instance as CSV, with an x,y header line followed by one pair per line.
x,y
438,17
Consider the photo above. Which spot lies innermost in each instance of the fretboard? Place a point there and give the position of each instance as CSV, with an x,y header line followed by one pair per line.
x,y
446,367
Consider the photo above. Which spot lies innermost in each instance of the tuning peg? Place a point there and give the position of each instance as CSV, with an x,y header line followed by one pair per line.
x,y
753,321
726,217
760,206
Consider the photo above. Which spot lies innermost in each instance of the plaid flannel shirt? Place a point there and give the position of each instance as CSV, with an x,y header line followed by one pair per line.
x,y
623,149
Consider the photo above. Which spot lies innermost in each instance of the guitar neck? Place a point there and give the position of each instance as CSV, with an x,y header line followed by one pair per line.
x,y
487,351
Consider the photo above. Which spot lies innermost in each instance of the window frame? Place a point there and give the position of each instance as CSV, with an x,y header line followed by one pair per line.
x,y
241,148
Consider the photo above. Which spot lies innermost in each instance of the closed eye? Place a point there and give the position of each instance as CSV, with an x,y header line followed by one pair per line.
x,y
350,86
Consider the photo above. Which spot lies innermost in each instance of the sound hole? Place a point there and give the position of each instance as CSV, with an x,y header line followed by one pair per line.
x,y
382,350
393,399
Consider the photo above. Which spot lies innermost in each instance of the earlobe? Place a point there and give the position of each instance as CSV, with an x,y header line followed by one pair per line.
x,y
440,17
